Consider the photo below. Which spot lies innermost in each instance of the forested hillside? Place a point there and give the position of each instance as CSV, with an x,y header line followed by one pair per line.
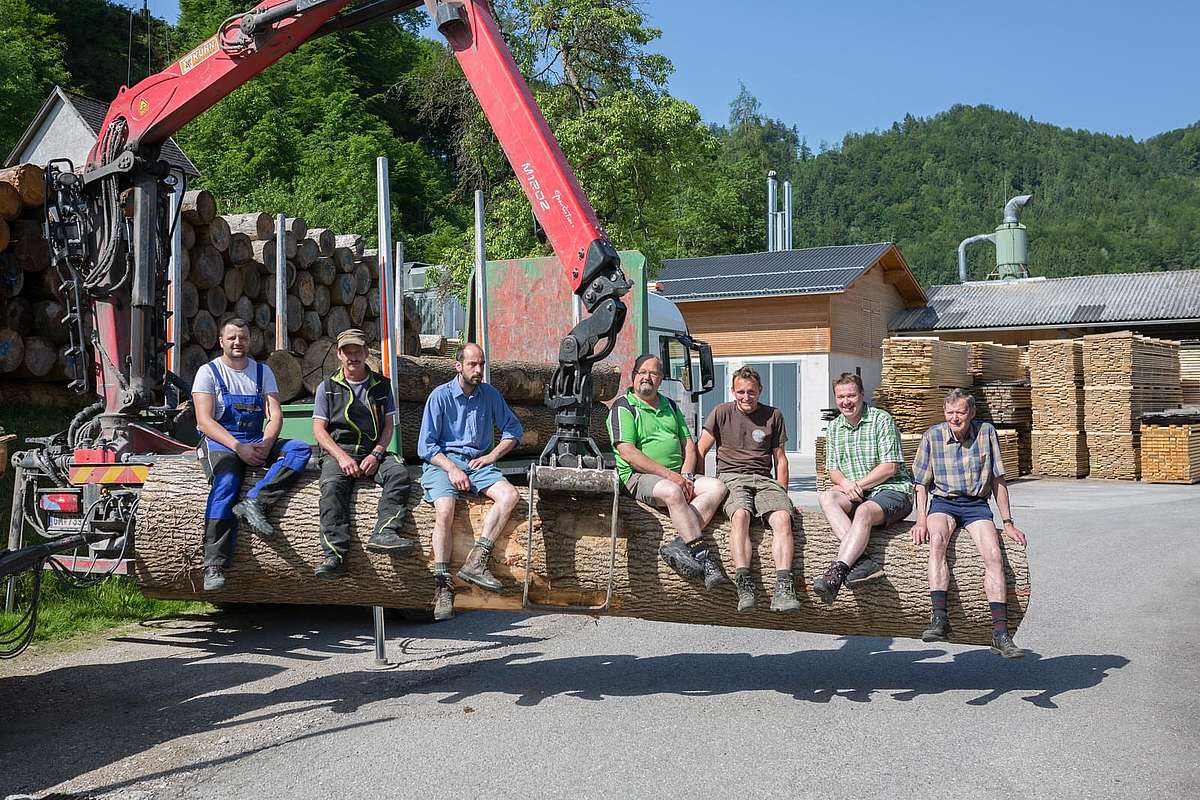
x,y
302,138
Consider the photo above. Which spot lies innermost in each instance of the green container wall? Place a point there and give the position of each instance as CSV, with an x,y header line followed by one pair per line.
x,y
1012,249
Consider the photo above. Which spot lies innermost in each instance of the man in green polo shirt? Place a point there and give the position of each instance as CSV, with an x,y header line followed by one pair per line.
x,y
656,459
871,484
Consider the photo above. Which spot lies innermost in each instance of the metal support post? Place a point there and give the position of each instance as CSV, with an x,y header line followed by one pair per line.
x,y
772,245
175,282
380,661
391,313
281,331
16,532
481,286
787,215
397,332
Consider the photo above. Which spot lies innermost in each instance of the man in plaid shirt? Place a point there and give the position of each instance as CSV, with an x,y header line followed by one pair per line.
x,y
959,463
871,484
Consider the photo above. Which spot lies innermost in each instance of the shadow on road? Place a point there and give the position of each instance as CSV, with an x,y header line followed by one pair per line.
x,y
70,721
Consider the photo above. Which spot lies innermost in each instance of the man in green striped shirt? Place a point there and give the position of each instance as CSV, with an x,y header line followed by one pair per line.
x,y
871,484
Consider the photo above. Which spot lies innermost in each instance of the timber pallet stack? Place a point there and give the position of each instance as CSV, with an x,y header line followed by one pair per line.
x,y
917,373
911,442
1189,371
1170,450
1125,376
1060,444
1002,395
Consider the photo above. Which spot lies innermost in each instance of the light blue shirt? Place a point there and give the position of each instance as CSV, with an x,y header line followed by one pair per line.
x,y
461,424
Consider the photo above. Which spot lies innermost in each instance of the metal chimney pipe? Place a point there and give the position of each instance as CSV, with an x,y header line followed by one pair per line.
x,y
962,252
1012,209
771,203
787,215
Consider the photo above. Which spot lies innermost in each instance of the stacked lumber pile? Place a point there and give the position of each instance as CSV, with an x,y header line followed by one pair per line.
x,y
911,442
917,373
33,338
1171,447
992,362
1060,444
1189,371
1008,405
1125,376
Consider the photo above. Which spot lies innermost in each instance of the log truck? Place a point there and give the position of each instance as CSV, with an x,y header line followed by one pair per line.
x,y
108,225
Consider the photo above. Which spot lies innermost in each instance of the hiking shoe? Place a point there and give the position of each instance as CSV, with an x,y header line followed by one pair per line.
x,y
443,599
214,579
826,587
746,593
391,543
253,514
863,570
1004,646
332,567
785,598
475,570
938,630
714,576
679,558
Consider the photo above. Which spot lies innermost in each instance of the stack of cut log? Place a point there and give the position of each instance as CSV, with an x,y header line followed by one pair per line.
x,y
1189,371
911,442
1060,444
917,373
996,362
33,338
1171,447
1125,376
1007,404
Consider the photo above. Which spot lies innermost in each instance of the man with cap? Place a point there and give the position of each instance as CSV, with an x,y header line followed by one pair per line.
x,y
456,446
353,420
234,397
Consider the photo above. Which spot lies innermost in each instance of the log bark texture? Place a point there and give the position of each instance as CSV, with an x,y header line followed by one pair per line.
x,y
569,564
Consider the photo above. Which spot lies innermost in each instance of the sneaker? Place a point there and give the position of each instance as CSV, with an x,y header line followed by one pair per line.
x,y
391,543
214,579
826,587
679,558
785,598
332,567
1004,646
863,570
938,630
253,514
746,593
443,599
714,576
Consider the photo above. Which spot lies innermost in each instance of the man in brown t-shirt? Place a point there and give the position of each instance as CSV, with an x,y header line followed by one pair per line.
x,y
749,437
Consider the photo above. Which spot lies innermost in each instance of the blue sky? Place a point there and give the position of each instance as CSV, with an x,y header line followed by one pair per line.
x,y
1126,68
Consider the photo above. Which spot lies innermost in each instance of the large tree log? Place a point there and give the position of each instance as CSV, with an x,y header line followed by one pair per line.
x,y
40,358
208,269
570,563
204,329
307,252
215,301
341,291
295,313
325,238
287,374
343,259
241,249
258,343
48,321
215,233
30,182
297,227
358,311
18,316
12,350
12,277
263,252
362,277
251,279
199,207
311,325
263,316
10,202
305,287
234,284
189,295
188,234
351,241
321,300
259,227
5,233
29,248
191,358
323,271
336,321
520,382
243,308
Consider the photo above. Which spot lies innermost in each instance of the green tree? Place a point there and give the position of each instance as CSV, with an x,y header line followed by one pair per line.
x,y
31,64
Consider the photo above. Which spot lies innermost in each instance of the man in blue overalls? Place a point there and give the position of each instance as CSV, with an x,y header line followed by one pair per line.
x,y
234,396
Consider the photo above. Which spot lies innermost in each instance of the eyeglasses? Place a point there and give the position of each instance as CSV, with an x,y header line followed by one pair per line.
x,y
649,373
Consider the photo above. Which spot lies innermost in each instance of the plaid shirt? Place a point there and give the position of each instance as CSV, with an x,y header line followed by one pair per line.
x,y
856,450
959,469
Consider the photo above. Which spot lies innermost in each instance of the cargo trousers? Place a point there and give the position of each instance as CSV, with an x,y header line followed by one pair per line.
x,y
337,489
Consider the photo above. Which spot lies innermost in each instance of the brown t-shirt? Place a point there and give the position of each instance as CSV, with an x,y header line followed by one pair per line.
x,y
745,441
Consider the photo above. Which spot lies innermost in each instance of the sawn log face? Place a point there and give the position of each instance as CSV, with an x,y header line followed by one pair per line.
x,y
570,563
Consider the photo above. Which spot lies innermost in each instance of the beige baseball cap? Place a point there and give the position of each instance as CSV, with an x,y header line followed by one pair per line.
x,y
351,336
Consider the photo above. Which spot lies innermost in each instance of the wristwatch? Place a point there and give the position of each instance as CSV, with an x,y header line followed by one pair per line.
x,y
379,454
691,476
1008,521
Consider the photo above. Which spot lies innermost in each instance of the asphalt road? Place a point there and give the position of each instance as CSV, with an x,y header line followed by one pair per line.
x,y
277,704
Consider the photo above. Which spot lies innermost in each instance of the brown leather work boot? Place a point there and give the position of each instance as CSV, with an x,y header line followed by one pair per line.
x,y
443,599
475,570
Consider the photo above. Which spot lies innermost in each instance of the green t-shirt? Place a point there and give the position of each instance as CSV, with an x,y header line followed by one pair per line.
x,y
659,433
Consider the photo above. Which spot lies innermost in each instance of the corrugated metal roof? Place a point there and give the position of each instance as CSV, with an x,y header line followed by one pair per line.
x,y
93,112
1047,302
816,270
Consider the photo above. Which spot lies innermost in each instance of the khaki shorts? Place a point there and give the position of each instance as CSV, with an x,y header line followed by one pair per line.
x,y
758,494
640,487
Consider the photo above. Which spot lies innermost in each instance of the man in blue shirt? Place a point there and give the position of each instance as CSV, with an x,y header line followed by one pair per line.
x,y
456,446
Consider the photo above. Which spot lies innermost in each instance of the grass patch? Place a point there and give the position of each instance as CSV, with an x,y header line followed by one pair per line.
x,y
67,612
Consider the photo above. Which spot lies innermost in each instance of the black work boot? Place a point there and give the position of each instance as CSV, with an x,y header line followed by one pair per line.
x,y
679,558
938,630
474,569
714,575
214,579
826,587
784,598
443,598
1004,646
391,543
332,567
865,569
252,513
746,593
